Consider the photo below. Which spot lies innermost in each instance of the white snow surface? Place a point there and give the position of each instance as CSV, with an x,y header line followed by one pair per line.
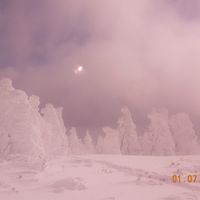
x,y
100,177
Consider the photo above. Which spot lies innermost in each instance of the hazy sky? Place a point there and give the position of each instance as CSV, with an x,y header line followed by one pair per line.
x,y
142,53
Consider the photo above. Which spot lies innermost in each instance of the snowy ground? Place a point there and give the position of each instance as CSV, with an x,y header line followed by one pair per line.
x,y
101,177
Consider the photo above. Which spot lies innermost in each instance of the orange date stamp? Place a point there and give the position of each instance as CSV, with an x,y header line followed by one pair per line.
x,y
190,178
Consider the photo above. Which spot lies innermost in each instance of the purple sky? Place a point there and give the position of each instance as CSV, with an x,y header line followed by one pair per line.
x,y
140,53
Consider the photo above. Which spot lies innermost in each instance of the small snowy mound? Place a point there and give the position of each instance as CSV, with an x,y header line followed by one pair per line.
x,y
68,184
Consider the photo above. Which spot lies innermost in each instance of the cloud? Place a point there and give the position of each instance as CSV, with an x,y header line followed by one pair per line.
x,y
140,53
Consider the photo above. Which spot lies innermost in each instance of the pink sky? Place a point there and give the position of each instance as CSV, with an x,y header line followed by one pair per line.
x,y
140,53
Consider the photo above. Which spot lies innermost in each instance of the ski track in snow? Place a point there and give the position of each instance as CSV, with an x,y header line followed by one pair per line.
x,y
100,177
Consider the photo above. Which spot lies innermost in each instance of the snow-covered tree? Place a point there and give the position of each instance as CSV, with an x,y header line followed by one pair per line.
x,y
129,143
75,143
35,102
88,143
61,121
99,145
6,85
19,124
24,131
56,133
186,140
111,143
158,140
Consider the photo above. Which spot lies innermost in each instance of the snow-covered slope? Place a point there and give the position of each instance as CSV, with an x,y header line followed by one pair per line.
x,y
101,177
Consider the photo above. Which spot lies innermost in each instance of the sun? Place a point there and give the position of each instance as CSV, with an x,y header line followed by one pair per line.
x,y
78,69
